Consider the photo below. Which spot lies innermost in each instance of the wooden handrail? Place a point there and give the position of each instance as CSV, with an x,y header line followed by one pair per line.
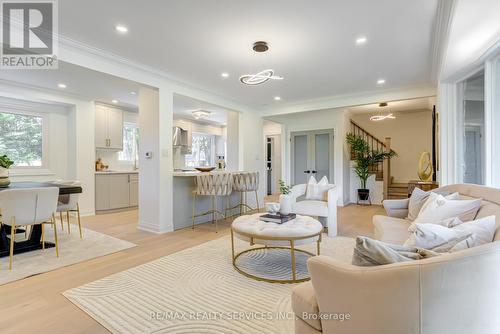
x,y
366,133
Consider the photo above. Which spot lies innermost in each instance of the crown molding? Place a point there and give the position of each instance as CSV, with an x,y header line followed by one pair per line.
x,y
442,26
349,100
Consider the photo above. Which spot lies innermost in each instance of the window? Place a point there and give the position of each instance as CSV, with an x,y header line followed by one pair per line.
x,y
21,138
130,143
203,151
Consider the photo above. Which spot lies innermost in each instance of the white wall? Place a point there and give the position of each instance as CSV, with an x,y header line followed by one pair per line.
x,y
335,119
71,138
410,133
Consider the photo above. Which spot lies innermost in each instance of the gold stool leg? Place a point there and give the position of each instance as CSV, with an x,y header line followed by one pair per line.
x,y
292,250
241,202
214,214
257,200
194,205
67,217
232,245
79,222
55,235
62,221
12,237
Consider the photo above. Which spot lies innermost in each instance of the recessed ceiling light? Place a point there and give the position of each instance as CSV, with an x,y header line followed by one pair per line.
x,y
121,28
361,40
380,81
114,101
61,85
133,93
224,75
277,98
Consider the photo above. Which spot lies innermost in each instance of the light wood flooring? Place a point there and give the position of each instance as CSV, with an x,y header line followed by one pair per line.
x,y
36,305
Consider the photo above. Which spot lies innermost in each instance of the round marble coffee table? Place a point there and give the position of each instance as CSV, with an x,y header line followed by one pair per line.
x,y
300,231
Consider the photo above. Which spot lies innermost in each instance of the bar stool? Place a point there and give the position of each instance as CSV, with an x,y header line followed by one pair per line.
x,y
69,203
245,182
214,185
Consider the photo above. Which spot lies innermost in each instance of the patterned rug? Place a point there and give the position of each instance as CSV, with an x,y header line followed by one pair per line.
x,y
72,250
197,290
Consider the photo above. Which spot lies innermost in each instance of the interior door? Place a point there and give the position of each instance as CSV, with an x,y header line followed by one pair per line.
x,y
312,154
300,163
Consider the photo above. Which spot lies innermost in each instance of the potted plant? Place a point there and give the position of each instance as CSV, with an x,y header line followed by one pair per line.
x,y
285,198
5,164
364,158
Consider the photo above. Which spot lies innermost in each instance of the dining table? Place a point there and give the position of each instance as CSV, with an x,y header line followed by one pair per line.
x,y
33,242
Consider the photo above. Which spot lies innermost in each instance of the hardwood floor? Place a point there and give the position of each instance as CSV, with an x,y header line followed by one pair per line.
x,y
36,304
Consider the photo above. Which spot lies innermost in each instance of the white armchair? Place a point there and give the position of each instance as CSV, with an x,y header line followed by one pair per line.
x,y
325,210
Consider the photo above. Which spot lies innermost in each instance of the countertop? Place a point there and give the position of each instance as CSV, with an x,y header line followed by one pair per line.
x,y
118,172
195,172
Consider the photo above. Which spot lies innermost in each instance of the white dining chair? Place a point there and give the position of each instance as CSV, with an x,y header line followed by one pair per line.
x,y
28,207
69,203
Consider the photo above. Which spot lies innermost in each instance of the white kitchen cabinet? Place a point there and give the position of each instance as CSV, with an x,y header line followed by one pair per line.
x,y
116,191
133,189
108,128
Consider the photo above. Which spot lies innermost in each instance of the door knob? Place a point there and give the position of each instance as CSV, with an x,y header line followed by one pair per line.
x,y
314,172
307,171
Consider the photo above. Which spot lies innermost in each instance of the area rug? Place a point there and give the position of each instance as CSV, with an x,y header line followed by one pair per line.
x,y
72,250
198,291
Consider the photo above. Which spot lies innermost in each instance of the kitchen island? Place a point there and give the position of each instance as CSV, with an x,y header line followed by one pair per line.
x,y
184,185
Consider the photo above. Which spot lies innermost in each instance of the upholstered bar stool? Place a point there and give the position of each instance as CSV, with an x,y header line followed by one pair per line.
x,y
216,184
245,182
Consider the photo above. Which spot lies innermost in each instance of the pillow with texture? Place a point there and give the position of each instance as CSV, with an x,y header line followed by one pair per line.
x,y
454,237
318,190
435,237
418,198
370,252
438,208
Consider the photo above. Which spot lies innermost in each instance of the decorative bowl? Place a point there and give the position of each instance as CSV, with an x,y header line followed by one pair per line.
x,y
205,169
272,207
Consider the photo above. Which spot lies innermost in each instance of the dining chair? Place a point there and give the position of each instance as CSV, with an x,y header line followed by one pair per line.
x,y
69,203
28,207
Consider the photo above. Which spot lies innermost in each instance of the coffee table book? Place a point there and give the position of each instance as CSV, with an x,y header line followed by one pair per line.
x,y
277,218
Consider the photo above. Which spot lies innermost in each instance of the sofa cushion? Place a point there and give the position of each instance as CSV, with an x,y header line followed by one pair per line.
x,y
311,208
419,197
438,208
436,237
304,301
391,230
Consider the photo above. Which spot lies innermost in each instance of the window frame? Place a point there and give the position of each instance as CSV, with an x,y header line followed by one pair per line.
x,y
131,125
212,149
44,167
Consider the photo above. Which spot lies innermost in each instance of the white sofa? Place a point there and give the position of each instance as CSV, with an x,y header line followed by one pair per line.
x,y
452,293
325,210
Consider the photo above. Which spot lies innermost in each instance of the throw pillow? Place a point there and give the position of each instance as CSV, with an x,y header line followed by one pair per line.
x,y
435,237
318,190
454,237
417,200
370,252
438,208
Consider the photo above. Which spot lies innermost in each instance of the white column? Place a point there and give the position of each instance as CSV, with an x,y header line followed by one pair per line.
x,y
155,160
232,141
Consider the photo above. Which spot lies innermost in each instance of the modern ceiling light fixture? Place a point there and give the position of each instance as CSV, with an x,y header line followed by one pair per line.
x,y
260,46
380,116
200,114
259,78
361,40
121,29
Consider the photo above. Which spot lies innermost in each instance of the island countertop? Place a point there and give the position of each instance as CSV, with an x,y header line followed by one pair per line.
x,y
195,172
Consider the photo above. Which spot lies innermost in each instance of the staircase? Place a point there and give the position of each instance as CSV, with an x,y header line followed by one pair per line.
x,y
381,170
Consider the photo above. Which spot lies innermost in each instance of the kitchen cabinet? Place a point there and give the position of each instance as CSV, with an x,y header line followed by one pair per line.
x,y
116,191
108,128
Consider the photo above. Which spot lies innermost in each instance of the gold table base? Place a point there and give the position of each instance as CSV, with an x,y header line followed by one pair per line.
x,y
292,249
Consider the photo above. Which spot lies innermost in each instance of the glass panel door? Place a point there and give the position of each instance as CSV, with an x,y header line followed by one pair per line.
x,y
322,156
300,156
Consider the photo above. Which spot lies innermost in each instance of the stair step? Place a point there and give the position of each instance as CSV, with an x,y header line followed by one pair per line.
x,y
397,196
399,185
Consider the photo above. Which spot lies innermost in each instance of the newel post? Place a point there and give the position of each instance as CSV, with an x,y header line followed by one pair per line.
x,y
387,168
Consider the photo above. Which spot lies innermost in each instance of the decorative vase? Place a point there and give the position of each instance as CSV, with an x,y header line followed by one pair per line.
x,y
4,177
285,204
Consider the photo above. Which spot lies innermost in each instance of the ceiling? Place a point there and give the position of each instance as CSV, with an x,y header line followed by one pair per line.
x,y
312,44
80,82
184,106
396,106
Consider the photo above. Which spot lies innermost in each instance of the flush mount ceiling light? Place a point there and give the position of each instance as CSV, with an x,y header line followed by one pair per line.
x,y
121,28
61,85
381,117
277,98
259,78
380,81
260,46
224,75
361,40
201,114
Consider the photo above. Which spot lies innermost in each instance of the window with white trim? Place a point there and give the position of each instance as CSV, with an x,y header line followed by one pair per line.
x,y
202,151
22,138
130,152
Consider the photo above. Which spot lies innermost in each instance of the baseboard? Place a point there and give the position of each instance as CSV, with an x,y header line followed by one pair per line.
x,y
152,228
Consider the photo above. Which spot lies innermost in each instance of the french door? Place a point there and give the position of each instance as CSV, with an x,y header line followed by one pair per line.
x,y
311,154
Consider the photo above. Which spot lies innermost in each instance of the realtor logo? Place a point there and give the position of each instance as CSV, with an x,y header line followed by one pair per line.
x,y
29,34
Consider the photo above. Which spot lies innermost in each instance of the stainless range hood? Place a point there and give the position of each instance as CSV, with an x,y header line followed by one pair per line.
x,y
180,137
